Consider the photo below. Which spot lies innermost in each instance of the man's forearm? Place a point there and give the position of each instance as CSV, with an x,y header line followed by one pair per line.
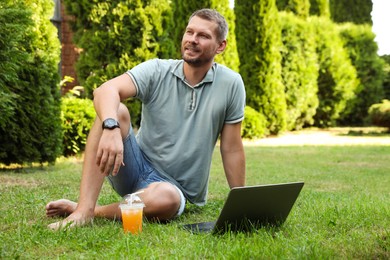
x,y
106,102
234,166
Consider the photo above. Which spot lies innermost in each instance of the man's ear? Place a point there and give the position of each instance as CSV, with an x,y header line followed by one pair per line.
x,y
221,47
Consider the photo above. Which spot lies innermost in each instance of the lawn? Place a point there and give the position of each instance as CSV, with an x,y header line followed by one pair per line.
x,y
343,211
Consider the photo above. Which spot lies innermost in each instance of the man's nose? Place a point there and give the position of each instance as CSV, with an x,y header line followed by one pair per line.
x,y
194,38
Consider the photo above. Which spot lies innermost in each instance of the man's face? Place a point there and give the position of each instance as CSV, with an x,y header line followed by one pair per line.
x,y
199,44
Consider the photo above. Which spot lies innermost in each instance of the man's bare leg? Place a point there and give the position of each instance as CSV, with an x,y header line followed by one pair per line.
x,y
91,181
161,199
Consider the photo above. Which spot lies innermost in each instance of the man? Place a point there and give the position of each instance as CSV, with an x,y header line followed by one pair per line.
x,y
187,105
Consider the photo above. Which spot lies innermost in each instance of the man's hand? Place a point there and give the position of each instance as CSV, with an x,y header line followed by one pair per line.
x,y
110,152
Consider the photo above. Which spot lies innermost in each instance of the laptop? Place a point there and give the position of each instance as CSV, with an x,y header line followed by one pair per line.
x,y
251,207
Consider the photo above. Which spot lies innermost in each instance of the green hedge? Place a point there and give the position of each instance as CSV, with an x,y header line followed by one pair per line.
x,y
78,116
299,70
379,114
30,126
355,11
115,36
337,80
258,42
386,75
359,42
254,124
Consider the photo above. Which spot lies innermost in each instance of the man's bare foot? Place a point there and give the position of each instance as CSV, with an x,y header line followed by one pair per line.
x,y
60,208
63,208
73,220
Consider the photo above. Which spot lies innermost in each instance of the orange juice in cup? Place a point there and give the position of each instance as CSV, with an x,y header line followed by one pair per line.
x,y
132,217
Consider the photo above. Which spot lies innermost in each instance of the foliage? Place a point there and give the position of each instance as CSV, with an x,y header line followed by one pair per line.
x,y
117,35
125,28
379,114
299,71
354,11
11,55
319,8
78,115
300,8
362,49
254,124
337,80
182,10
30,130
258,41
386,72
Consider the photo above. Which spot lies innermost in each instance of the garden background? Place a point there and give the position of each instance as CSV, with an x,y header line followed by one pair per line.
x,y
306,65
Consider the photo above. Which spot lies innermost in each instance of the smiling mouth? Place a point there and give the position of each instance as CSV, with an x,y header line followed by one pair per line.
x,y
191,49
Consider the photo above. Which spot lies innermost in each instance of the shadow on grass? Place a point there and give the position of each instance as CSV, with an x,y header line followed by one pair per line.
x,y
362,133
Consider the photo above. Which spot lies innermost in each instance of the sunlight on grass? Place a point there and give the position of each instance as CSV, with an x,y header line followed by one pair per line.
x,y
342,212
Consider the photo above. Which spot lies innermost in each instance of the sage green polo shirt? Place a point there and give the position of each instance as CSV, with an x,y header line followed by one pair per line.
x,y
180,124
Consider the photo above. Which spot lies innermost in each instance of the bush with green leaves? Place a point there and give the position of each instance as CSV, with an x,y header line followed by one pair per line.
x,y
379,114
337,80
254,124
299,70
117,35
258,43
386,75
78,115
355,11
359,42
300,8
320,8
30,125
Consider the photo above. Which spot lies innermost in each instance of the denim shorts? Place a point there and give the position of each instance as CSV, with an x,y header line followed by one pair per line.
x,y
137,173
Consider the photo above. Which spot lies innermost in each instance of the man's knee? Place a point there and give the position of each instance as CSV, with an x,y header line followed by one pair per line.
x,y
162,201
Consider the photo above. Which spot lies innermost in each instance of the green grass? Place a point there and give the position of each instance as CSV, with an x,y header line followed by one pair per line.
x,y
343,212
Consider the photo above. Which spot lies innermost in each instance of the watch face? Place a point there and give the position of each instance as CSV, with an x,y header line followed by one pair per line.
x,y
110,123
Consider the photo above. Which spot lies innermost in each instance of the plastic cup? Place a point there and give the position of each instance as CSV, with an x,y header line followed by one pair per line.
x,y
132,217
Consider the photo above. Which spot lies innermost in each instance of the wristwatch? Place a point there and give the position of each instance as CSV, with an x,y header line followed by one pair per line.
x,y
110,124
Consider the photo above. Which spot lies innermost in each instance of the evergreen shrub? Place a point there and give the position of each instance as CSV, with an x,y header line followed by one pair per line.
x,y
379,114
30,128
254,124
359,42
337,80
386,75
258,44
299,71
78,115
117,35
354,11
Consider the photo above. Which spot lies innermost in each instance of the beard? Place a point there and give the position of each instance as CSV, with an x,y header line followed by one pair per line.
x,y
194,61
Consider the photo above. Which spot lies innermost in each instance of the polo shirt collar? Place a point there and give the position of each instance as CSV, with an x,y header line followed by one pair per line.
x,y
178,71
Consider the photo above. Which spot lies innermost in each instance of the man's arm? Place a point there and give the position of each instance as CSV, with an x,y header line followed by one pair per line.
x,y
107,99
108,96
233,155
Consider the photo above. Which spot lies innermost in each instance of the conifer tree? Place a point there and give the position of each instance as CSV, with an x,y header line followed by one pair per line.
x,y
320,8
116,35
354,11
29,54
258,41
300,8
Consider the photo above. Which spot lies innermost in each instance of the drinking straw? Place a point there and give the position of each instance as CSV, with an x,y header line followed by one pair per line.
x,y
132,196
